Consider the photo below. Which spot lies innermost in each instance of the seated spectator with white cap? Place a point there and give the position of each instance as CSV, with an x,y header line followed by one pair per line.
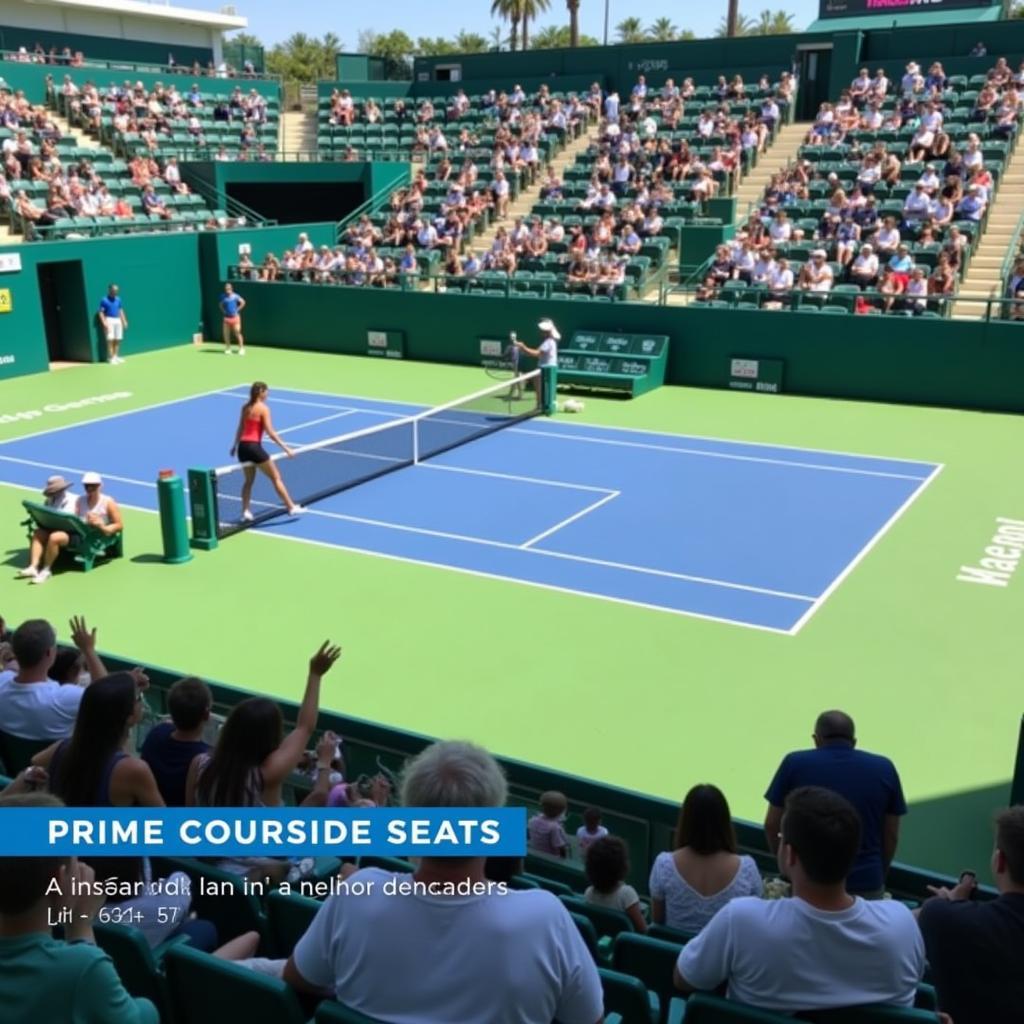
x,y
95,508
46,544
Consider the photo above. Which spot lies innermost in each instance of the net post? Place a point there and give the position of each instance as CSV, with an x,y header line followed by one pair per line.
x,y
549,390
415,442
202,498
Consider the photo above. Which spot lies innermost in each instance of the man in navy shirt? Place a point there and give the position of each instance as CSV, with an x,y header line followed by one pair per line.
x,y
974,947
114,322
870,782
171,746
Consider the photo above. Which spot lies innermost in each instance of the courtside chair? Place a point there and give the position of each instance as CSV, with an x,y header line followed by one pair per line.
x,y
626,999
205,990
653,962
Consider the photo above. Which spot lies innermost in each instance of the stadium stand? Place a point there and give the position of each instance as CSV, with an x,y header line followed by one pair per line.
x,y
886,204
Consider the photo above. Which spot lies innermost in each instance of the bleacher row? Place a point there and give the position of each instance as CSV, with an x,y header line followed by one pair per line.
x,y
189,986
832,163
180,208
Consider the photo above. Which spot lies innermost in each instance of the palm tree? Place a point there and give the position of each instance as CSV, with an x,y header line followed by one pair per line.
x,y
662,31
528,10
777,23
732,18
631,30
498,38
574,21
510,11
744,27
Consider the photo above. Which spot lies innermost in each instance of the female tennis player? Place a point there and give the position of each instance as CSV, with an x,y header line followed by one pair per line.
x,y
255,419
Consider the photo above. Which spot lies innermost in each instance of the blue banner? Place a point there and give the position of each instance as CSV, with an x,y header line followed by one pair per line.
x,y
262,832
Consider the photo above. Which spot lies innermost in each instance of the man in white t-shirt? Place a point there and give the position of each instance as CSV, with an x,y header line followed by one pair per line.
x,y
496,956
33,706
821,949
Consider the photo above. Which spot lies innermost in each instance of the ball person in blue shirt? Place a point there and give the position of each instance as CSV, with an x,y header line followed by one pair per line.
x,y
231,305
115,323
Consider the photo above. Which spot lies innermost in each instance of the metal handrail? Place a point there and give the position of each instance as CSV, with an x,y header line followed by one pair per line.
x,y
221,200
11,56
374,202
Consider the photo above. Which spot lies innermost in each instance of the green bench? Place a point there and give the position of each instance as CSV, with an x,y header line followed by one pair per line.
x,y
633,363
85,543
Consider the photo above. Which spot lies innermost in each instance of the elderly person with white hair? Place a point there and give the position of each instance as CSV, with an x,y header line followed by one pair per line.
x,y
58,497
458,948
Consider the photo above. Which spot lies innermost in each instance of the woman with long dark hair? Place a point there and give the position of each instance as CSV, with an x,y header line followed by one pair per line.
x,y
94,769
703,871
253,756
254,420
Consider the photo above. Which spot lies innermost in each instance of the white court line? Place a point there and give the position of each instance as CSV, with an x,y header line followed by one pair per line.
x,y
113,415
831,588
229,393
714,455
322,419
430,464
480,574
560,425
570,519
664,573
75,470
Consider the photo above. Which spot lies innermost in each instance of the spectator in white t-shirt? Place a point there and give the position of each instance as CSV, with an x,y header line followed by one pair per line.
x,y
821,949
435,956
607,865
864,269
690,884
32,705
591,830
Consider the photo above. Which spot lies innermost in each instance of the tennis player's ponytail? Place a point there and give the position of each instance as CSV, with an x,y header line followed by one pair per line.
x,y
255,391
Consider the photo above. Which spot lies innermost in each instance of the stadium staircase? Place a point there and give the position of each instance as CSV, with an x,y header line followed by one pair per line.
x,y
984,273
297,133
67,129
528,196
779,155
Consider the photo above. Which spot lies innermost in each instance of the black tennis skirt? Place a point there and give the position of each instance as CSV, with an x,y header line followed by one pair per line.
x,y
252,451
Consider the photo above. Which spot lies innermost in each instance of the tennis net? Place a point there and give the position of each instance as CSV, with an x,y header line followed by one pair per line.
x,y
319,470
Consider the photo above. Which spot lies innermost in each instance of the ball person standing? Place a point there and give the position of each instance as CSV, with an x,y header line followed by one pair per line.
x,y
546,353
115,323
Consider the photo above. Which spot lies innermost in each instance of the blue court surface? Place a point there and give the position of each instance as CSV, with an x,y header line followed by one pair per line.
x,y
749,534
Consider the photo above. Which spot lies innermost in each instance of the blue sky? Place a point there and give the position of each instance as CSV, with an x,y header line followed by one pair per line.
x,y
273,20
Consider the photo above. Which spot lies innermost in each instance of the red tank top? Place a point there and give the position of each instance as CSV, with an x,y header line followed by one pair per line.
x,y
252,429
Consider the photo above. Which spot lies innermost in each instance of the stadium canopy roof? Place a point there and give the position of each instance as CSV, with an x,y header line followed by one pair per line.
x,y
866,22
157,11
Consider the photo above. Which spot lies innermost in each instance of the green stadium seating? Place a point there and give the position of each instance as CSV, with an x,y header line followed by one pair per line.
x,y
626,997
608,921
206,990
702,1008
653,962
331,1012
288,917
138,966
16,753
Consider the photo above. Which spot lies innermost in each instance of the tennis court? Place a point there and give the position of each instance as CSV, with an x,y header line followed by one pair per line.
x,y
750,534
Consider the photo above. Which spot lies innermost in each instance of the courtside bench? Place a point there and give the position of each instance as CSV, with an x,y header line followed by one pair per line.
x,y
85,543
634,363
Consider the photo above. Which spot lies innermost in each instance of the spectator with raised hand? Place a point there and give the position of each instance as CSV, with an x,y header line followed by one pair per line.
x,y
823,948
253,758
507,957
43,979
32,705
703,872
869,781
974,947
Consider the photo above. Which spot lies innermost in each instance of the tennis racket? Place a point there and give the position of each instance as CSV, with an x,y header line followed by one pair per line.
x,y
505,366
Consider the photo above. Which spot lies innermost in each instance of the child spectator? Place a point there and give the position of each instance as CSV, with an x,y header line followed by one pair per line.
x,y
607,865
171,746
545,831
38,973
591,830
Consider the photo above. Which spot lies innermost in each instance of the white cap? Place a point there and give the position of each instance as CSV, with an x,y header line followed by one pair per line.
x,y
548,327
91,478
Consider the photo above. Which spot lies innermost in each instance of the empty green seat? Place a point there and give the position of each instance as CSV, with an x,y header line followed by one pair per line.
x,y
627,997
651,960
